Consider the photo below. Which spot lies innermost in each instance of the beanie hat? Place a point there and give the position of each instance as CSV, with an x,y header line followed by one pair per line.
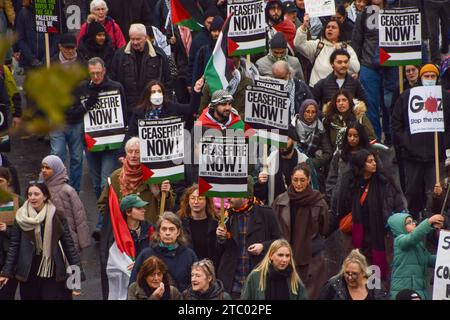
x,y
68,40
211,11
429,67
93,28
216,24
407,294
278,41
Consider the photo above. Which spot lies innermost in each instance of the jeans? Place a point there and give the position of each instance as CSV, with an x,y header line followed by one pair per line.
x,y
379,82
71,137
101,165
434,13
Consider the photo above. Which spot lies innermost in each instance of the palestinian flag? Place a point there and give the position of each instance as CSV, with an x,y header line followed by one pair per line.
x,y
206,121
186,13
122,252
161,171
217,74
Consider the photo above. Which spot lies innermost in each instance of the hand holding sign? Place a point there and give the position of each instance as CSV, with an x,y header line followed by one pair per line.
x,y
165,186
437,221
305,24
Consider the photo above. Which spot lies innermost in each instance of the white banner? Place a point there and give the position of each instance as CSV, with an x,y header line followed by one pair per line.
x,y
106,114
248,18
320,8
400,28
425,110
441,285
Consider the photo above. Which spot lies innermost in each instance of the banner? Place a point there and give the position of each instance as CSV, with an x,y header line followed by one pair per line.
x,y
223,167
162,148
400,37
104,125
247,30
48,16
441,285
320,8
267,108
425,109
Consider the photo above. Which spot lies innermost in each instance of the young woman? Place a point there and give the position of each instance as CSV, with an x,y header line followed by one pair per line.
x,y
199,222
153,282
351,282
66,200
40,238
303,216
204,285
96,43
169,245
339,113
276,277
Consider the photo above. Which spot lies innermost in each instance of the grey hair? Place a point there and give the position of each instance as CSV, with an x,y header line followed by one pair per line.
x,y
283,65
138,27
97,3
208,268
96,60
131,142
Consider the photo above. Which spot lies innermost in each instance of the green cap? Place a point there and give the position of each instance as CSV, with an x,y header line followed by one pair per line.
x,y
132,201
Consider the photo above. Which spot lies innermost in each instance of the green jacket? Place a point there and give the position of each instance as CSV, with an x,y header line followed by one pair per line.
x,y
411,258
251,289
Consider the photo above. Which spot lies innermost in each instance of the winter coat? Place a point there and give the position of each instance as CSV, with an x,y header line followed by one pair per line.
x,y
251,290
214,292
265,64
359,110
142,240
178,261
67,201
154,66
321,64
411,258
210,237
22,251
302,92
87,50
128,12
325,89
135,292
5,236
112,29
335,289
317,228
143,191
199,40
239,95
201,60
31,43
418,146
263,228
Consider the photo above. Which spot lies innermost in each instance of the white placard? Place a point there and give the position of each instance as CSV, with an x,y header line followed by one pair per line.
x,y
320,8
441,285
425,110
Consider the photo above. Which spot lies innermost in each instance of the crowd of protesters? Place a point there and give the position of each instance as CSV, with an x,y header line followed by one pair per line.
x,y
351,168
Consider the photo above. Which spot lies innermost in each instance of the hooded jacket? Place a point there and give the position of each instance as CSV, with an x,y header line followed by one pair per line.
x,y
284,26
214,292
111,27
88,48
411,258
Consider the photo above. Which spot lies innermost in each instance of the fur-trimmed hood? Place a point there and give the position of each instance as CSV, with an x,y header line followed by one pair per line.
x,y
359,108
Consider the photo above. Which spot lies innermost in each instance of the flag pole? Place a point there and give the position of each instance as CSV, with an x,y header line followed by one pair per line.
x,y
222,212
47,50
163,203
436,157
400,77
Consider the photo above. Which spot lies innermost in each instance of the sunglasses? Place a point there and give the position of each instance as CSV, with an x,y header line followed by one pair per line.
x,y
353,275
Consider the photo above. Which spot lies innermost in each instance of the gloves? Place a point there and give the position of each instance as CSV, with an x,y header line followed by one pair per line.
x,y
91,101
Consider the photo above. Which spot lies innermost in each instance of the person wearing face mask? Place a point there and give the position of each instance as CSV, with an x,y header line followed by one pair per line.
x,y
304,220
204,285
417,150
279,51
276,278
280,163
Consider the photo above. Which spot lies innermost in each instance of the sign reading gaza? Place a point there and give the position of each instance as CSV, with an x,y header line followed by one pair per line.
x,y
162,148
48,16
247,27
441,285
425,109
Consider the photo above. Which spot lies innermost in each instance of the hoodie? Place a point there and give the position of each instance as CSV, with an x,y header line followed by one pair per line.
x,y
411,258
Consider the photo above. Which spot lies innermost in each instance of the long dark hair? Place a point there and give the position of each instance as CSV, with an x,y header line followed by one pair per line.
x,y
144,102
332,110
364,142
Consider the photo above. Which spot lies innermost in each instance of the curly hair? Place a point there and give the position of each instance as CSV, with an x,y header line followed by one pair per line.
x,y
185,209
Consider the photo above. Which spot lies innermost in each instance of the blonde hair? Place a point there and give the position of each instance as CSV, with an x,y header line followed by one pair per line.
x,y
207,266
355,256
263,267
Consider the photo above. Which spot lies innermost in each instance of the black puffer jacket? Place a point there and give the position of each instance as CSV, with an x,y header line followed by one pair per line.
x,y
365,37
154,66
214,292
22,249
335,289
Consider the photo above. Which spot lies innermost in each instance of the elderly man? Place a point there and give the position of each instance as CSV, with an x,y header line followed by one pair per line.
x,y
137,64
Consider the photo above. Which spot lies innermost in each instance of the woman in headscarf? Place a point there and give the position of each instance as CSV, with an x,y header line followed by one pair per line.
x,y
39,247
66,200
96,43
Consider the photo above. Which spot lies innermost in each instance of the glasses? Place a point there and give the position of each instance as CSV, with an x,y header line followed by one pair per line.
x,y
411,70
197,198
410,222
203,263
353,275
33,182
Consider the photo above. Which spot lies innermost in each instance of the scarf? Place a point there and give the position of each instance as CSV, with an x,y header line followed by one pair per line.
x,y
154,113
30,220
169,247
277,283
130,178
149,291
373,206
64,60
245,208
290,87
309,135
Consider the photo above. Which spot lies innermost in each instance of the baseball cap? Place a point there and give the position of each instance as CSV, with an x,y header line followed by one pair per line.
x,y
132,201
289,6
68,40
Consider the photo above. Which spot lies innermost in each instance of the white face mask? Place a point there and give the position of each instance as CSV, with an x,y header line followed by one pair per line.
x,y
156,99
427,83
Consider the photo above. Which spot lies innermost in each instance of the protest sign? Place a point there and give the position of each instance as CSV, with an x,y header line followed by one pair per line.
x,y
76,13
425,109
223,167
247,29
267,110
8,211
48,15
400,37
104,125
441,285
5,142
162,148
320,8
